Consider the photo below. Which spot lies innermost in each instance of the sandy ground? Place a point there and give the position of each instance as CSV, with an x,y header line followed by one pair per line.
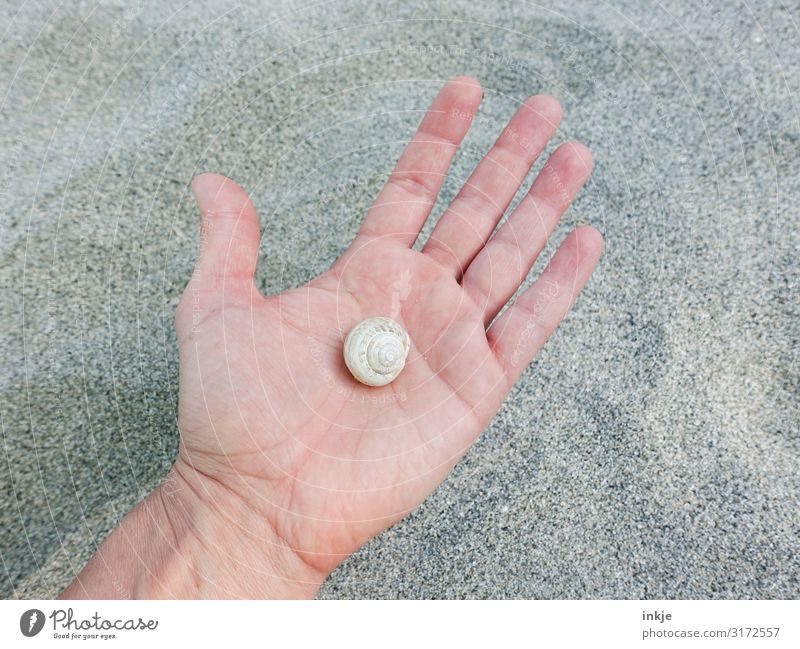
x,y
651,450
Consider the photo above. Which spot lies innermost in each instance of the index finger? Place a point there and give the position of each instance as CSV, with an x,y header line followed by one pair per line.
x,y
407,198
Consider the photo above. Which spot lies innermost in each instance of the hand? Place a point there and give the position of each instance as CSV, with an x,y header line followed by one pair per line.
x,y
295,462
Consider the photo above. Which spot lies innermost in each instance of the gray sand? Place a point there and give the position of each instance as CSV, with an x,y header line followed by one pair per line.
x,y
652,449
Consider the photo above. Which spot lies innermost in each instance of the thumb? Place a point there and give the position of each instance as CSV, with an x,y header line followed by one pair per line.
x,y
229,231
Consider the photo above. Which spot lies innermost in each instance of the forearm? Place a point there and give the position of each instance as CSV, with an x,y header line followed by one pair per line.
x,y
191,539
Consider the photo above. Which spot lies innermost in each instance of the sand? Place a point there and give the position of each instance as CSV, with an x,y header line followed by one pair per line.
x,y
651,451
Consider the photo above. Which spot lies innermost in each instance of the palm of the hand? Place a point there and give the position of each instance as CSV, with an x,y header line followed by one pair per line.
x,y
267,406
273,412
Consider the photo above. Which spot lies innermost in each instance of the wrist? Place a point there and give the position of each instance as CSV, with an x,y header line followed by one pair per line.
x,y
224,548
193,538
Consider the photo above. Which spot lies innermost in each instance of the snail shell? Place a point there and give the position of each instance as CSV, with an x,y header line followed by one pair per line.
x,y
375,351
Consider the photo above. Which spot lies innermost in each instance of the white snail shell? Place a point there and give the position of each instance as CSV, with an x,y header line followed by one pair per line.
x,y
375,351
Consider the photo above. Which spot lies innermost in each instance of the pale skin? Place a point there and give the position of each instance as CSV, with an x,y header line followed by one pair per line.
x,y
287,465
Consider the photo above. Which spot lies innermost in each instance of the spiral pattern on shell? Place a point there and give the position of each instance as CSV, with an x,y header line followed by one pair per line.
x,y
375,351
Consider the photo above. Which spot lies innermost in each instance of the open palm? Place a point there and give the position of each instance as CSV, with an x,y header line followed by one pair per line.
x,y
267,406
